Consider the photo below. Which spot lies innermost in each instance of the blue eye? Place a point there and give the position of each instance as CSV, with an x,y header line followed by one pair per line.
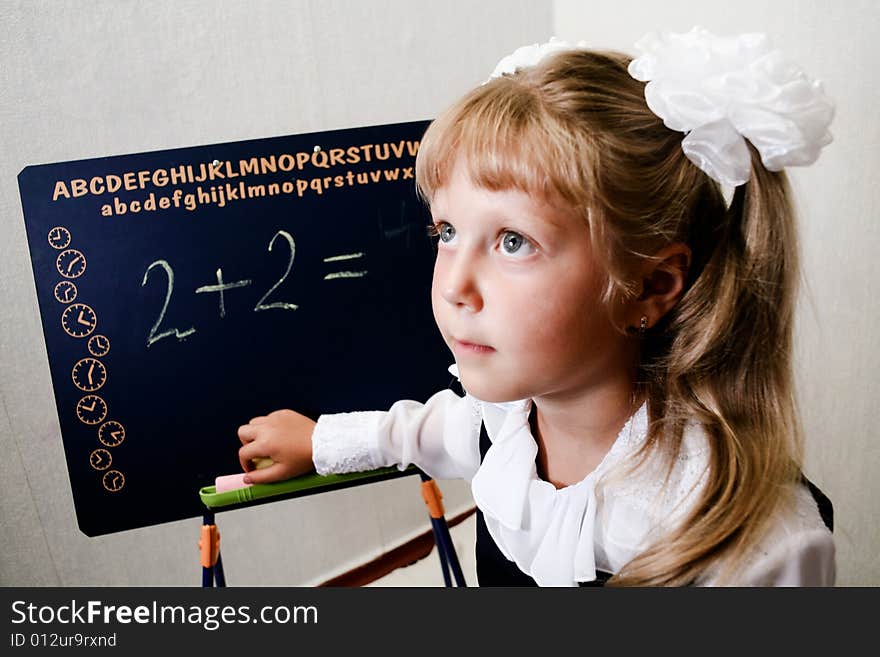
x,y
442,230
512,242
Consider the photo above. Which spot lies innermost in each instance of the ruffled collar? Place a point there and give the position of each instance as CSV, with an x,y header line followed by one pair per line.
x,y
547,532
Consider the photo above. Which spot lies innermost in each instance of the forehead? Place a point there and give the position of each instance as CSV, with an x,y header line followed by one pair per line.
x,y
461,197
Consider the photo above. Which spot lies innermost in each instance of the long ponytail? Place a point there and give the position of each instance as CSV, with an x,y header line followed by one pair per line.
x,y
728,364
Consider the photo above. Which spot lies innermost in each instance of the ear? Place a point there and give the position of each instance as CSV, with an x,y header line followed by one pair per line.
x,y
663,279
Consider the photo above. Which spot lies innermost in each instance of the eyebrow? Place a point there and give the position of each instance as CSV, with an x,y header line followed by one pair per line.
x,y
531,226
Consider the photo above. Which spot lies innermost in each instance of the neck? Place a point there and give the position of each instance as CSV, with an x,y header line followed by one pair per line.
x,y
574,430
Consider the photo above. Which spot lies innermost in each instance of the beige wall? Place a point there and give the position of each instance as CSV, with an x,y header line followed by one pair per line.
x,y
87,79
837,354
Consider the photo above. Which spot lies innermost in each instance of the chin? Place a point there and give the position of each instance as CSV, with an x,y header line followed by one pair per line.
x,y
489,393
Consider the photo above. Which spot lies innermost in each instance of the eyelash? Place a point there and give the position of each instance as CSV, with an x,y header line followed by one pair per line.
x,y
434,231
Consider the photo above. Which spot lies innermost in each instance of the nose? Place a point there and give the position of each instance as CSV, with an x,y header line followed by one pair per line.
x,y
457,281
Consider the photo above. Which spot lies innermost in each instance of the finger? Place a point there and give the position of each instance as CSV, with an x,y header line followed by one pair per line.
x,y
247,453
247,433
266,475
260,419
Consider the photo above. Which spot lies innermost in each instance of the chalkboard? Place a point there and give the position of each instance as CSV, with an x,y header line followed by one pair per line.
x,y
184,291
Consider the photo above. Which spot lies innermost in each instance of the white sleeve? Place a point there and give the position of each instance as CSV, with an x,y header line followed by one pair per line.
x,y
804,558
440,436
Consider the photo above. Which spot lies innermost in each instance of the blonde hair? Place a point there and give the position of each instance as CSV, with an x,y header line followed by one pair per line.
x,y
576,128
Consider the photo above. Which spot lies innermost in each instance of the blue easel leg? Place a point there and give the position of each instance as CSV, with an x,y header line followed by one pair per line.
x,y
209,553
218,571
451,554
441,550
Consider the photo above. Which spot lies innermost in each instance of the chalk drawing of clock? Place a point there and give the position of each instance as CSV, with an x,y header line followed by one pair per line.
x,y
89,374
100,459
65,292
71,263
113,480
78,320
91,409
59,237
99,345
111,433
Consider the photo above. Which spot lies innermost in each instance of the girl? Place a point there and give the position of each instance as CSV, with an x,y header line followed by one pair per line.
x,y
623,335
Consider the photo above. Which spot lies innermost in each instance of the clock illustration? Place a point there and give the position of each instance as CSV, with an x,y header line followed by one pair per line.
x,y
89,374
59,237
100,459
91,409
99,345
65,292
111,433
113,480
78,320
71,263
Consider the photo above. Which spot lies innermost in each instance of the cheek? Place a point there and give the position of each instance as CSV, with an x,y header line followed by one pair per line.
x,y
549,322
558,320
436,291
437,276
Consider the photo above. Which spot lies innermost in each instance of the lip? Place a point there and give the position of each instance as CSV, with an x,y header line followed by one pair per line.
x,y
461,346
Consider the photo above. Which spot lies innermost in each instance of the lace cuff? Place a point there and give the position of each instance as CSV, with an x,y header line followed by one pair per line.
x,y
346,442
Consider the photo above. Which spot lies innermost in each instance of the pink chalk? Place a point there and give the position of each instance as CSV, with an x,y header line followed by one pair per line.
x,y
230,482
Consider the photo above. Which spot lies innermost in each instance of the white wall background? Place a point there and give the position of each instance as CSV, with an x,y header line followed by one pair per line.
x,y
837,354
89,79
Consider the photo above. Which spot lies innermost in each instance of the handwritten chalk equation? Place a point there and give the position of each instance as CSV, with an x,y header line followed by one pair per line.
x,y
221,287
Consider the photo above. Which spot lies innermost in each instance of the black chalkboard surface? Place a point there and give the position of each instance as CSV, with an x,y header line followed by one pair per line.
x,y
183,292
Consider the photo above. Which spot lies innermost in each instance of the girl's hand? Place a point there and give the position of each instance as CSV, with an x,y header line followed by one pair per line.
x,y
285,436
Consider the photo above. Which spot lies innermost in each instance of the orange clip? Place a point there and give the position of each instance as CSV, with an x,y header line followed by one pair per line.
x,y
433,498
209,545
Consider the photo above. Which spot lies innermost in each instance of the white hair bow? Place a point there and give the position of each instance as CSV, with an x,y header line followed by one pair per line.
x,y
722,90
526,56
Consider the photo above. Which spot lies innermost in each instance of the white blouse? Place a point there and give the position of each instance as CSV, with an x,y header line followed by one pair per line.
x,y
560,537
